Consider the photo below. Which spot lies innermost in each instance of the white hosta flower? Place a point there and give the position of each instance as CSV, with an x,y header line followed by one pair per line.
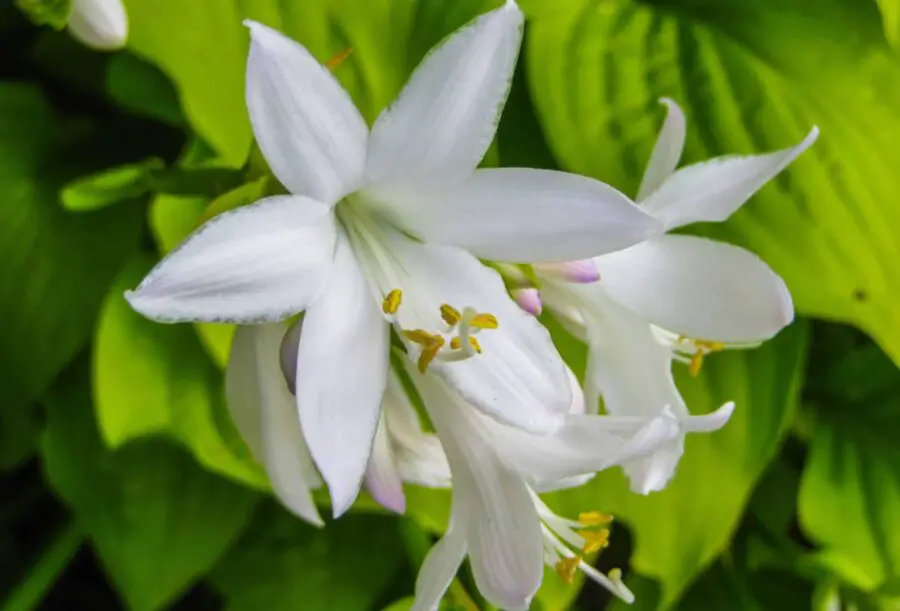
x,y
339,248
497,519
672,296
99,24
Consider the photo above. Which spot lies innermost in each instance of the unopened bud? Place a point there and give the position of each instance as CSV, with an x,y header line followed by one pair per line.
x,y
99,24
529,299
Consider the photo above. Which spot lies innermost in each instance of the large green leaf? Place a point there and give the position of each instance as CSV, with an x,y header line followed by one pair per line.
x,y
155,378
850,489
202,46
281,563
890,14
54,267
679,531
157,520
752,77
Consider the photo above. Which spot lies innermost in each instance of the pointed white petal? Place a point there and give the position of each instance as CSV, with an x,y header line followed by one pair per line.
x,y
666,151
305,123
266,416
342,365
258,263
653,473
440,567
382,475
714,189
521,215
519,377
699,288
445,118
503,531
708,423
99,24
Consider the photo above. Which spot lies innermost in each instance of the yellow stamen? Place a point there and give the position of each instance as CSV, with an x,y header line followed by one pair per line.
x,y
450,315
421,337
335,62
566,568
392,302
703,347
429,352
456,344
594,518
594,541
484,321
696,363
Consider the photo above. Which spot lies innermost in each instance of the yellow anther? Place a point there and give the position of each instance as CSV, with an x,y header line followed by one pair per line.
x,y
392,302
429,352
594,541
566,568
419,336
696,363
450,315
456,344
484,321
335,62
703,347
594,518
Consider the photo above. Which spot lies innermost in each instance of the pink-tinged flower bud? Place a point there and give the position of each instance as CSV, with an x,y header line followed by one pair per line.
x,y
582,272
528,299
99,24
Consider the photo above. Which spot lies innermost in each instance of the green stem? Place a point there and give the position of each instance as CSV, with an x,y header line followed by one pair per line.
x,y
35,585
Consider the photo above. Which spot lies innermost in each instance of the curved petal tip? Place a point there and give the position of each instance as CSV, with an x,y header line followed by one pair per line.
x,y
709,422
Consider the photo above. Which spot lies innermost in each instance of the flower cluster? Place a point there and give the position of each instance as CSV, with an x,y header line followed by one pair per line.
x,y
379,248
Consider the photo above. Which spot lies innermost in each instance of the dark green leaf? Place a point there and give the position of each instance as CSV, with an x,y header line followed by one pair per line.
x,y
143,89
157,520
108,187
54,13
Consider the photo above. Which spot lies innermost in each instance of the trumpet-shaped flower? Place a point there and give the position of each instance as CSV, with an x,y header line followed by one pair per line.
x,y
497,519
672,296
382,228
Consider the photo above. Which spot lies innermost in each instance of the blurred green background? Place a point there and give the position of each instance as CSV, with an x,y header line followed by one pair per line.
x,y
123,484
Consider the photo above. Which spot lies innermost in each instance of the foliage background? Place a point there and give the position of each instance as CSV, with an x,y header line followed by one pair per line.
x,y
123,483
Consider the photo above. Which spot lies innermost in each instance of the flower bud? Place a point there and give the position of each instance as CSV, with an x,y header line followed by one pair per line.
x,y
99,24
529,299
582,272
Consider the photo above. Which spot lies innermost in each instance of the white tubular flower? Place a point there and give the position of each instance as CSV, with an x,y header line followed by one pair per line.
x,y
672,296
339,248
497,519
99,24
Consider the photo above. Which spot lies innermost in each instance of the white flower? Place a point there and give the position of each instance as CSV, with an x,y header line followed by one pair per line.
x,y
672,296
497,519
339,248
100,24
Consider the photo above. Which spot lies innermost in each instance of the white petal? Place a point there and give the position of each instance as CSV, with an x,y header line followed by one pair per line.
x,y
342,365
305,123
653,473
495,509
666,151
382,475
439,568
714,189
100,24
519,377
419,455
445,118
699,288
708,423
258,263
521,215
266,416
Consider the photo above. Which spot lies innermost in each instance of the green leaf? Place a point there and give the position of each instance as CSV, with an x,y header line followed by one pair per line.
x,y
680,530
109,187
850,489
890,15
752,77
158,521
154,378
202,47
55,267
282,563
142,88
54,13
20,426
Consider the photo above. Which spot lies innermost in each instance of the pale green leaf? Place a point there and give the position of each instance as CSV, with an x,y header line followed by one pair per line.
x,y
154,378
679,531
157,520
752,77
282,563
125,182
890,15
54,13
55,267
